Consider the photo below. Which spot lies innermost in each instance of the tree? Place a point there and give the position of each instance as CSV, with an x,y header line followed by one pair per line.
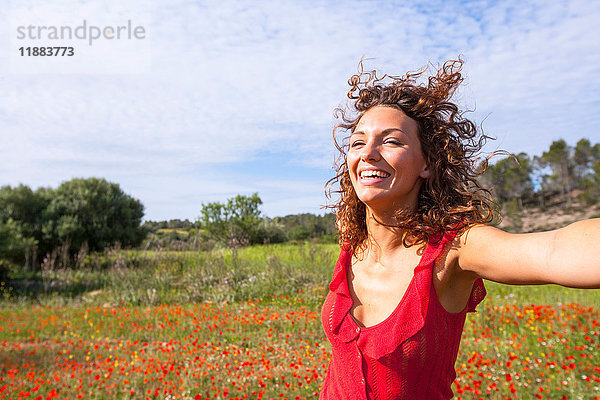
x,y
559,159
95,213
236,223
22,213
585,158
511,178
15,247
518,179
25,206
591,185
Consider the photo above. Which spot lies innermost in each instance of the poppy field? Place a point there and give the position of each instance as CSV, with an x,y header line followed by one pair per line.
x,y
246,325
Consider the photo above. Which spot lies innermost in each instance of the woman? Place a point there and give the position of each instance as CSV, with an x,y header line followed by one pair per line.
x,y
415,244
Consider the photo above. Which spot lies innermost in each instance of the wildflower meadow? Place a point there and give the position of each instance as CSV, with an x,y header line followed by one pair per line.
x,y
245,324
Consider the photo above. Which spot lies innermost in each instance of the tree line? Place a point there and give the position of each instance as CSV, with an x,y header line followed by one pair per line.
x,y
239,222
563,173
59,225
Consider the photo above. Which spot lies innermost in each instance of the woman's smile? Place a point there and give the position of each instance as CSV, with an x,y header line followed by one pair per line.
x,y
371,176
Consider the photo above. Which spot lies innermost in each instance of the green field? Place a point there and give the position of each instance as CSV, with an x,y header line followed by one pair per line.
x,y
245,324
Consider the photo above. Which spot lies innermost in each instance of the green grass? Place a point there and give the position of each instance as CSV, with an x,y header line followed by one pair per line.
x,y
137,277
168,277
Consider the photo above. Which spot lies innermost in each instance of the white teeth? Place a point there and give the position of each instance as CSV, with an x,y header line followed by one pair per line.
x,y
374,173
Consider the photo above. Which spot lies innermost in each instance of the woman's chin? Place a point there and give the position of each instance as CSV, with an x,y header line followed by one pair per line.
x,y
383,205
378,205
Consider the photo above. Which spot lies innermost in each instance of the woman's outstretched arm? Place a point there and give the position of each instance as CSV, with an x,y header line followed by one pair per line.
x,y
568,256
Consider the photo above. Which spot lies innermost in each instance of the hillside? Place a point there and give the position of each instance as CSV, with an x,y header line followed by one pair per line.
x,y
533,219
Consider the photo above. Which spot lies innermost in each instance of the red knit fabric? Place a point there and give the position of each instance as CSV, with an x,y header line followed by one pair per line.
x,y
409,355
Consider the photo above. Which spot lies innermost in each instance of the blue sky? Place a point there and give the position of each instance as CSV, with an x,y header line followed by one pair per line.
x,y
234,97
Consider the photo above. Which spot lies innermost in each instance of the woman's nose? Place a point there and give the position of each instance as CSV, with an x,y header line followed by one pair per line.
x,y
370,152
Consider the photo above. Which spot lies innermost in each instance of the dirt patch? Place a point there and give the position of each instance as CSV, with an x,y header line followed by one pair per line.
x,y
536,219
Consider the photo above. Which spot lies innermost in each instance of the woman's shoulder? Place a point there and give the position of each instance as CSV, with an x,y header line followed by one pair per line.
x,y
466,236
463,244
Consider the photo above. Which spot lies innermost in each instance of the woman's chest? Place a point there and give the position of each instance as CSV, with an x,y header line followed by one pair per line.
x,y
376,292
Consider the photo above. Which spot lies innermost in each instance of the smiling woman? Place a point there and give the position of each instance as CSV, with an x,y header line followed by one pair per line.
x,y
451,194
416,246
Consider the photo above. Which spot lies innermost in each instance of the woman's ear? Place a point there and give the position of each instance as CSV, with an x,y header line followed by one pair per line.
x,y
425,172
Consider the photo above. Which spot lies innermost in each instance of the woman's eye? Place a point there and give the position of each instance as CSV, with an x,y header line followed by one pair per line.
x,y
356,143
394,141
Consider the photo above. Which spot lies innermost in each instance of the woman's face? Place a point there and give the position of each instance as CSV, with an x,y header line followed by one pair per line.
x,y
385,160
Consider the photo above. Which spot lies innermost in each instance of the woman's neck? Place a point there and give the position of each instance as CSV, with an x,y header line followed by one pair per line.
x,y
383,238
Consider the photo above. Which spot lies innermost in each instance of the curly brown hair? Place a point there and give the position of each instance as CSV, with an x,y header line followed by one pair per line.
x,y
451,198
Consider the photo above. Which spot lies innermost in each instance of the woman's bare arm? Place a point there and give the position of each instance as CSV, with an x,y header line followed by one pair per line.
x,y
568,256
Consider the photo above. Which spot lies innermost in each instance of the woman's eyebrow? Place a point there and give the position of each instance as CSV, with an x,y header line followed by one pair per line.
x,y
390,130
383,132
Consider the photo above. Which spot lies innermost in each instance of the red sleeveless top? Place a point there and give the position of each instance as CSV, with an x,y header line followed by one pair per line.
x,y
409,355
